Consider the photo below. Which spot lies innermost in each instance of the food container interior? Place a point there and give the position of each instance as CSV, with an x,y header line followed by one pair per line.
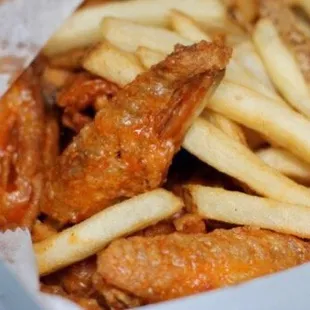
x,y
156,154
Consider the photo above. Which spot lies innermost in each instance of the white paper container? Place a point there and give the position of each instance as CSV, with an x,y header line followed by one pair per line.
x,y
285,290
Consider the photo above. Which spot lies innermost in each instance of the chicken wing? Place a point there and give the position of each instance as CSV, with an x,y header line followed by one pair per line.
x,y
81,92
165,267
22,136
129,146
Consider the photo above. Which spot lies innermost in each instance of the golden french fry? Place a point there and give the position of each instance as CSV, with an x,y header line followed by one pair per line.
x,y
69,60
282,68
238,74
113,64
83,27
233,34
149,57
129,36
229,127
276,122
218,150
242,209
87,238
246,55
187,27
286,163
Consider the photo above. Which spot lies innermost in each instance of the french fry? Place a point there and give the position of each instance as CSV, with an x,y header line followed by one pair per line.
x,y
129,36
112,64
69,60
83,28
242,209
229,127
216,149
149,57
238,74
286,163
290,80
187,27
87,238
233,34
234,71
246,55
276,122
246,10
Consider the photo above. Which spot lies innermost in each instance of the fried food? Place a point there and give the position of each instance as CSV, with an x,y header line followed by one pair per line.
x,y
22,135
128,36
83,27
87,238
286,163
242,209
149,57
244,12
278,123
294,37
41,231
229,156
51,139
229,127
112,64
70,60
85,303
292,84
187,27
79,94
246,55
128,148
115,298
77,279
190,224
166,267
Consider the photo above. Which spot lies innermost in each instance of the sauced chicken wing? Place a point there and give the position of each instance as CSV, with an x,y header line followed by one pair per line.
x,y
165,267
81,92
129,146
22,135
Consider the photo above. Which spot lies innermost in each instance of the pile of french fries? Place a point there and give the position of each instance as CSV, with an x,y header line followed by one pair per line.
x,y
263,93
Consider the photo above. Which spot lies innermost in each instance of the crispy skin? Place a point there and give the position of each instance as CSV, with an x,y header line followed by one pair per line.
x,y
128,148
51,139
113,297
80,93
166,267
83,302
21,142
294,37
77,279
41,231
